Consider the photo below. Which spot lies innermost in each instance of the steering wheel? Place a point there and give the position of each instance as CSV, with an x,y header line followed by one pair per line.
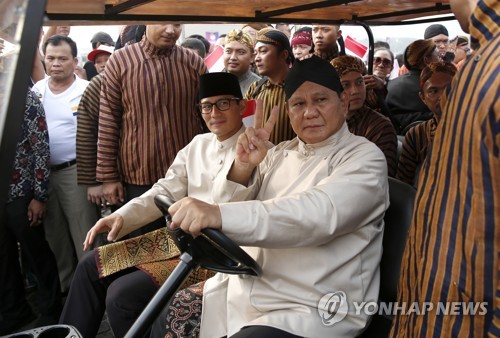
x,y
212,249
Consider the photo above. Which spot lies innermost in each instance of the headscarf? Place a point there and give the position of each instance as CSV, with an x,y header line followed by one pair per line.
x,y
347,63
436,67
301,38
240,36
416,52
276,38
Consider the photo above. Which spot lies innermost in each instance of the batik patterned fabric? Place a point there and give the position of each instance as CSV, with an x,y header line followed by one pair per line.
x,y
155,246
155,253
241,37
31,165
184,313
272,95
452,252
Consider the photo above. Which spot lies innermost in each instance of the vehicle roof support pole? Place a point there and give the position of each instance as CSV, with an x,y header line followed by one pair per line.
x,y
371,44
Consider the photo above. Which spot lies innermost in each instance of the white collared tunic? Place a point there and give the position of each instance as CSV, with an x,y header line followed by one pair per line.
x,y
314,218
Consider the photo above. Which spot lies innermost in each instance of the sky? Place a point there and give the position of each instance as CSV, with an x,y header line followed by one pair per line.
x,y
397,36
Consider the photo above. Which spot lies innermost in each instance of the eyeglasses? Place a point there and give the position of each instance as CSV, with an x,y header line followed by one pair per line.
x,y
221,104
385,62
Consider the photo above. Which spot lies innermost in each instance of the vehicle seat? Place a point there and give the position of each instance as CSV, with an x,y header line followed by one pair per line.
x,y
397,221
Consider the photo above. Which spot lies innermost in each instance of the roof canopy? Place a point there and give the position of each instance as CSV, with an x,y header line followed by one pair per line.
x,y
373,12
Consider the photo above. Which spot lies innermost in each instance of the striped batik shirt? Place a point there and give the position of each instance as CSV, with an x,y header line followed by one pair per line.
x,y
415,147
378,129
452,256
148,111
86,133
272,95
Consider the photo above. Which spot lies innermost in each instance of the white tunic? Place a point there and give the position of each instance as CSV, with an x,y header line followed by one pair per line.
x,y
316,225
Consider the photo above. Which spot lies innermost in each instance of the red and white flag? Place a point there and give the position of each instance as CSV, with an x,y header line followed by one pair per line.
x,y
248,115
214,61
355,47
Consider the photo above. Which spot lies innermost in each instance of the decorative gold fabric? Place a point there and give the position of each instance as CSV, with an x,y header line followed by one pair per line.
x,y
155,253
155,246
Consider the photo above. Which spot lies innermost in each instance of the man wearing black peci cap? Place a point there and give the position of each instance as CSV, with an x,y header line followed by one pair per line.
x,y
123,292
311,216
439,35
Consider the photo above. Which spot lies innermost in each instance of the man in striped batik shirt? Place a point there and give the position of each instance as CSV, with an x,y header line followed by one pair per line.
x,y
147,113
451,259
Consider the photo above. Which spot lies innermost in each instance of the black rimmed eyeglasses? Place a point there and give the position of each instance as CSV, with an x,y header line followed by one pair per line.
x,y
221,104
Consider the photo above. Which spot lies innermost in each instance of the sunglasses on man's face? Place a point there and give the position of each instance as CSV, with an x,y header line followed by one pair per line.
x,y
384,62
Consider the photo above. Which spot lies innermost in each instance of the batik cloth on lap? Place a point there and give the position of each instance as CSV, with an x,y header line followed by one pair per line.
x,y
155,253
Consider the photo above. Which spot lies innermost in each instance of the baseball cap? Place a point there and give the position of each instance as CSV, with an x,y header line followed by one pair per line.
x,y
100,50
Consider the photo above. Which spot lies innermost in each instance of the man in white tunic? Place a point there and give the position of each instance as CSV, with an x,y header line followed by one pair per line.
x,y
310,212
123,292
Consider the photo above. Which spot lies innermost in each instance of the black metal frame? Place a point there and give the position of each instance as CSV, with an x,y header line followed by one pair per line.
x,y
302,8
126,18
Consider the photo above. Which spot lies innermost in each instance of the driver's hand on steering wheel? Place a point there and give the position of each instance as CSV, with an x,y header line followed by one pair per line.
x,y
192,215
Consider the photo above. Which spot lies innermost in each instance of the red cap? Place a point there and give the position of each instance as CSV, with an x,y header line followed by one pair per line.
x,y
101,49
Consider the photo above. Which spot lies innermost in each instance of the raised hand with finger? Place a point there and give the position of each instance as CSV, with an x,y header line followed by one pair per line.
x,y
252,145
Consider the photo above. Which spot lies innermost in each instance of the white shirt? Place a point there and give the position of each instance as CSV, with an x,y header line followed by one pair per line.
x,y
317,220
61,110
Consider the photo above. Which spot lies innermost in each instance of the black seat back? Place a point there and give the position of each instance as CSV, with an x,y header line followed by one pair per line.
x,y
397,221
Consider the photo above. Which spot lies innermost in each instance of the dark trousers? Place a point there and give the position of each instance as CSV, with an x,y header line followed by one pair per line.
x,y
15,227
256,331
260,331
122,295
133,191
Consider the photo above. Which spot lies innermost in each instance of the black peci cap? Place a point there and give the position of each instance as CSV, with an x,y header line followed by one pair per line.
x,y
215,84
313,69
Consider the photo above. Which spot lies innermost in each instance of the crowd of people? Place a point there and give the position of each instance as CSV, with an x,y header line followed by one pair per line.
x,y
303,188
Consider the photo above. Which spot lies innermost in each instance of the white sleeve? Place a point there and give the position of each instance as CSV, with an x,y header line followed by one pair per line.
x,y
355,194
